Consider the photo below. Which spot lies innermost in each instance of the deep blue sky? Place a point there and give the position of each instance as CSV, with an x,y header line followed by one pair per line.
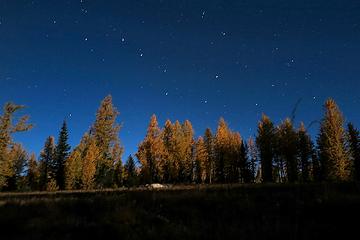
x,y
196,60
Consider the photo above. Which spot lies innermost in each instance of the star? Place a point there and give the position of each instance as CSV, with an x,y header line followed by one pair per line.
x,y
203,14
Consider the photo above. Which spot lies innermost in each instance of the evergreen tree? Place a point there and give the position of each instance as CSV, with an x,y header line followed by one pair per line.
x,y
354,144
7,129
334,158
62,153
89,165
305,151
33,173
150,153
106,134
47,163
288,149
264,142
130,172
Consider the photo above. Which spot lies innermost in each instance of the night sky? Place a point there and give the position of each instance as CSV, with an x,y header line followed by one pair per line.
x,y
196,60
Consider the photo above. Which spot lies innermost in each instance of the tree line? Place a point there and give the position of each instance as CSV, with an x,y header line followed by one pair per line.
x,y
172,154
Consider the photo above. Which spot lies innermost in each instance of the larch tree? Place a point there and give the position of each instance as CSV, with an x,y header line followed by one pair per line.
x,y
150,153
74,164
188,147
354,145
227,148
106,134
47,163
288,149
18,158
201,162
7,128
169,168
62,153
305,151
91,156
264,141
333,154
178,152
221,145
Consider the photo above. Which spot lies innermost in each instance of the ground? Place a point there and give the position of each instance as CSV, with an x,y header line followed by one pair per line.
x,y
312,211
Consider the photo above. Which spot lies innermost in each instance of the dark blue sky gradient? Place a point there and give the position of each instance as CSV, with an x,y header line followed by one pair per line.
x,y
196,60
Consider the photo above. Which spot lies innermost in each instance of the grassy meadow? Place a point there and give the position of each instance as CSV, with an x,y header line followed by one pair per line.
x,y
313,211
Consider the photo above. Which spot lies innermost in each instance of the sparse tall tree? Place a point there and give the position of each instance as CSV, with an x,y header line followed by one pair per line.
x,y
237,160
209,143
332,145
305,151
47,163
264,142
7,129
62,153
288,149
354,144
316,171
252,151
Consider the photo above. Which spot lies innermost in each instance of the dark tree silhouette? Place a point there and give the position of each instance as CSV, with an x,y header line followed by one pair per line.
x,y
62,152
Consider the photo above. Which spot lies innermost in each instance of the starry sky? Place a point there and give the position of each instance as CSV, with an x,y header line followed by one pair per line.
x,y
179,59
